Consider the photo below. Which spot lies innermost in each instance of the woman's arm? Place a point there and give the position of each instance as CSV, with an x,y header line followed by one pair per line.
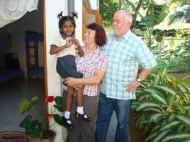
x,y
94,80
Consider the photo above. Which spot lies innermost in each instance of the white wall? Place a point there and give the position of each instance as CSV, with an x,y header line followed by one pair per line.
x,y
78,9
52,8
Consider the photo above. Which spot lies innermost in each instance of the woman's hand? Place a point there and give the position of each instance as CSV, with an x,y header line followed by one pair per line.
x,y
70,81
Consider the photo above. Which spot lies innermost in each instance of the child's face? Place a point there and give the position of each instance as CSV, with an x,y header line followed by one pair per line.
x,y
68,28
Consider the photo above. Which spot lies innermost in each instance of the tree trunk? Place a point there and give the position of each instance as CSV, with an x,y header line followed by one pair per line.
x,y
136,12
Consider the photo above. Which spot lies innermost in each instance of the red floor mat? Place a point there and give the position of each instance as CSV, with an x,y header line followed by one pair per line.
x,y
13,137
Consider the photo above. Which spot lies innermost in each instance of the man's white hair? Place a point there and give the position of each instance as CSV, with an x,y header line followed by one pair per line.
x,y
126,14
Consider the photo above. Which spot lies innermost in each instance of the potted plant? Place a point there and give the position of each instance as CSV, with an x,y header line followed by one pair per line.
x,y
58,106
34,128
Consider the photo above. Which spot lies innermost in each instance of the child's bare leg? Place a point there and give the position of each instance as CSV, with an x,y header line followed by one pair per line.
x,y
80,105
80,97
70,93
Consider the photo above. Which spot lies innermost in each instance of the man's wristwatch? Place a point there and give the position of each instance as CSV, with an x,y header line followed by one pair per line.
x,y
139,80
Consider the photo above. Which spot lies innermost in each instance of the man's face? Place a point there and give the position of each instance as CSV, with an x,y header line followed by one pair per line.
x,y
120,24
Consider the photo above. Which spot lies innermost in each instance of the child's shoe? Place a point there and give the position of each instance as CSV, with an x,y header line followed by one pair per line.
x,y
67,122
84,116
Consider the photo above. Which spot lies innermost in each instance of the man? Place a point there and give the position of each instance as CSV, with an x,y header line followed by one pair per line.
x,y
125,52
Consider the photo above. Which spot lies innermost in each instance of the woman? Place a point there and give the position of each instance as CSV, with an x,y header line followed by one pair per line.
x,y
93,65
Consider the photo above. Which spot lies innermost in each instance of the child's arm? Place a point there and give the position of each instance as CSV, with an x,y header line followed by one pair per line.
x,y
79,49
55,49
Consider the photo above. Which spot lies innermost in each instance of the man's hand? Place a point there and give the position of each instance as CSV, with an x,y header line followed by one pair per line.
x,y
132,86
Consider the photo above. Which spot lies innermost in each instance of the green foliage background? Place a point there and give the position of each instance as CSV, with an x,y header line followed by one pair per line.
x,y
146,15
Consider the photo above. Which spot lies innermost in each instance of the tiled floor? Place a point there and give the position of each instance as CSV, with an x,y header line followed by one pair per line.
x,y
10,94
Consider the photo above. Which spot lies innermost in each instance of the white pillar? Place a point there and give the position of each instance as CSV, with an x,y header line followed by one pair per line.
x,y
78,8
52,8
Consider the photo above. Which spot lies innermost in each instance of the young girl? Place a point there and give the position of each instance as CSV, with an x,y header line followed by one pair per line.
x,y
66,49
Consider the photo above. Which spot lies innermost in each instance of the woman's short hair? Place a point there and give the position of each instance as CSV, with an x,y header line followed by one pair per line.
x,y
100,34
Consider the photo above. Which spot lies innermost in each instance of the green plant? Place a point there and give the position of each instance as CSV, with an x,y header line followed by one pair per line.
x,y
58,104
163,108
57,108
174,59
33,127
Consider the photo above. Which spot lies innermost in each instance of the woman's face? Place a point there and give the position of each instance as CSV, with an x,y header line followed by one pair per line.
x,y
68,28
89,37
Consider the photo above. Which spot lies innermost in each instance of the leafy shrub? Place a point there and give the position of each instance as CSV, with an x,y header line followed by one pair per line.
x,y
163,108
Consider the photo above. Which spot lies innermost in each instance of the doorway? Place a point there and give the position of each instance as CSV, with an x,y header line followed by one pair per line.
x,y
21,67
